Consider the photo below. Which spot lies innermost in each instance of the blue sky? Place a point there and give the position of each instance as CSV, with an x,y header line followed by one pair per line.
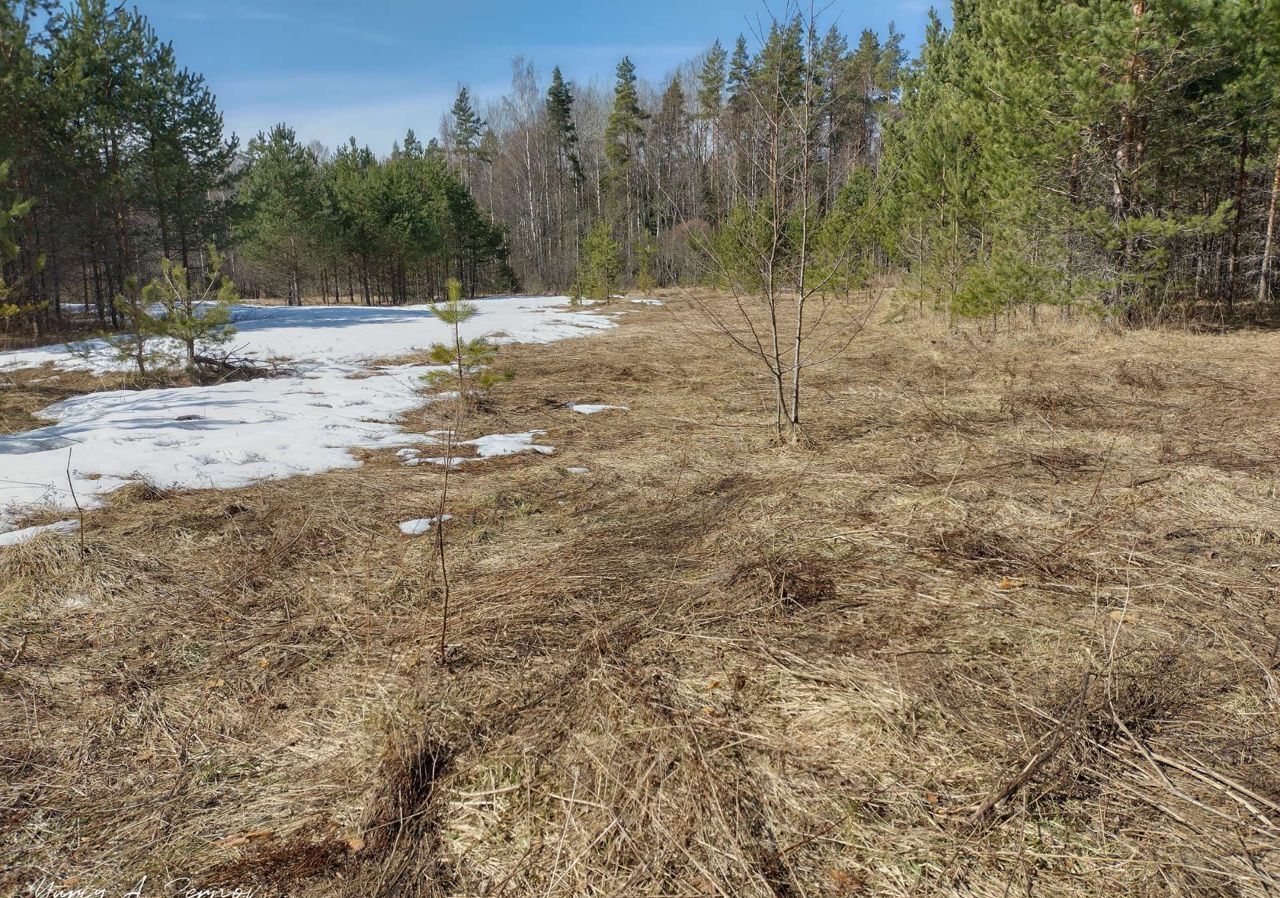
x,y
333,68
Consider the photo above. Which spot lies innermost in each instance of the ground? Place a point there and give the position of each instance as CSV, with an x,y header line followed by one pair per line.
x,y
1005,624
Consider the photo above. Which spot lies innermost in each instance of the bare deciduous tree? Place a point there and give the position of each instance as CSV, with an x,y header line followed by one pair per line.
x,y
765,252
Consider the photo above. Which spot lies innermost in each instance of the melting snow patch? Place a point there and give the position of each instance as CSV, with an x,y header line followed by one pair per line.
x,y
648,302
576,470
452,462
235,434
324,336
14,537
496,445
419,526
586,409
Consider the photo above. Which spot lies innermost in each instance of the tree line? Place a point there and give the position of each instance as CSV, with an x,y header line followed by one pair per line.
x,y
659,168
115,156
1121,155
350,226
114,159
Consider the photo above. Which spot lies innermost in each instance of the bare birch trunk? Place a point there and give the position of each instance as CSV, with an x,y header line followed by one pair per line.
x,y
1264,275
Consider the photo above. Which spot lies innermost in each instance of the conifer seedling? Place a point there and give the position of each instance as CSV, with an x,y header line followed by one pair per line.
x,y
464,360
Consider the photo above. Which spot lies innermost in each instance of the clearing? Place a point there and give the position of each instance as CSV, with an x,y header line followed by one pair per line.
x,y
334,398
1009,625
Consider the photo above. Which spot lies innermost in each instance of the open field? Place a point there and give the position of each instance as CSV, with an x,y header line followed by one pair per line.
x,y
1008,626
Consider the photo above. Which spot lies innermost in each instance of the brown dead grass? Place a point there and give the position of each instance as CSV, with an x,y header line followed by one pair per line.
x,y
1009,626
25,392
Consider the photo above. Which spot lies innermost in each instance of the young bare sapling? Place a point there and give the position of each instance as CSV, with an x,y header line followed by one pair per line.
x,y
768,252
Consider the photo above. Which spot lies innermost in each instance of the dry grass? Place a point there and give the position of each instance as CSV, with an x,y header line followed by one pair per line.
x,y
1009,626
24,393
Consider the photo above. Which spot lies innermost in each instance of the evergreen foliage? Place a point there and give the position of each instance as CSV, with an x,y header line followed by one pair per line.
x,y
600,264
711,83
1124,155
463,362
194,313
135,343
279,206
119,149
175,318
12,211
1045,153
562,128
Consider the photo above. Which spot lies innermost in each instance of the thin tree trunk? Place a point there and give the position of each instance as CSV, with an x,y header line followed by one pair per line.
x,y
1264,276
803,249
97,292
1242,178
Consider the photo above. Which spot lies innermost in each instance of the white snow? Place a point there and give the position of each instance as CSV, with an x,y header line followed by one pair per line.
x,y
419,526
588,409
234,434
353,335
453,462
578,470
496,445
648,302
13,537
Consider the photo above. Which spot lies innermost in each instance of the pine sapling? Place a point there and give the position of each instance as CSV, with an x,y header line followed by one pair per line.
x,y
599,263
135,344
462,361
196,315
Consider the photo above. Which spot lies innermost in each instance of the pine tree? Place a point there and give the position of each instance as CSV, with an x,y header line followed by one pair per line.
x,y
184,154
467,126
102,55
669,158
280,206
599,264
28,150
738,80
196,315
711,83
560,125
462,361
626,121
623,137
135,343
459,360
709,142
13,210
645,256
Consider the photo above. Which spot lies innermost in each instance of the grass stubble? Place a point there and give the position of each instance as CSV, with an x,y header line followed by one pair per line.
x,y
1008,625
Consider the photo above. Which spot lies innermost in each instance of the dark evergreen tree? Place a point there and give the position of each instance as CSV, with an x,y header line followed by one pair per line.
x,y
467,127
280,206
623,138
